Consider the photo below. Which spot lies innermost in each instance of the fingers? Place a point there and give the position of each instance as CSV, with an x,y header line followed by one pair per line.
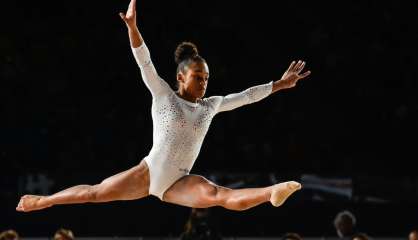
x,y
305,74
301,66
291,66
296,67
133,5
122,15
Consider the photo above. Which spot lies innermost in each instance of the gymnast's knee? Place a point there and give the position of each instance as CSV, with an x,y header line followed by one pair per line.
x,y
211,197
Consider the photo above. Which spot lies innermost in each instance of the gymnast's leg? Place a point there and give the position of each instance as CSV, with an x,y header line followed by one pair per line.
x,y
128,185
198,192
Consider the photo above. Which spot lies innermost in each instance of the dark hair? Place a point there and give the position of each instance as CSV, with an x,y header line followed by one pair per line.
x,y
346,217
362,236
291,236
63,234
345,222
185,54
9,235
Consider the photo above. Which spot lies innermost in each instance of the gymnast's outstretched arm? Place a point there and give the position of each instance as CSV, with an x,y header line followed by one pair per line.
x,y
154,83
130,20
257,93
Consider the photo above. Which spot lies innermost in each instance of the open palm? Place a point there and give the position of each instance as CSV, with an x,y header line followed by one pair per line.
x,y
130,17
293,74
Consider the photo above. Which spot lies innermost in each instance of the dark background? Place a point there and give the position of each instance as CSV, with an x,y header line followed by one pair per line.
x,y
74,108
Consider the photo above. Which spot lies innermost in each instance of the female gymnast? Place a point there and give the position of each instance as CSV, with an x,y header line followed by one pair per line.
x,y
180,121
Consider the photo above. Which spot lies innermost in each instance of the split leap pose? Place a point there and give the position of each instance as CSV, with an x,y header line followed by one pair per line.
x,y
181,119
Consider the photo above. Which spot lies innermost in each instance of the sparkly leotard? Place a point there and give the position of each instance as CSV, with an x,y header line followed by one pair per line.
x,y
179,126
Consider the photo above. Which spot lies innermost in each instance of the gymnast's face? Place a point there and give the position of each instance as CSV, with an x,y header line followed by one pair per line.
x,y
194,79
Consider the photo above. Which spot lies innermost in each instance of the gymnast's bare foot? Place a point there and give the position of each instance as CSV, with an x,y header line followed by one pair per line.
x,y
29,203
282,191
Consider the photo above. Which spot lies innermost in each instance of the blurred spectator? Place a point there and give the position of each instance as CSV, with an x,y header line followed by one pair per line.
x,y
63,234
291,236
413,235
345,225
9,235
361,236
199,227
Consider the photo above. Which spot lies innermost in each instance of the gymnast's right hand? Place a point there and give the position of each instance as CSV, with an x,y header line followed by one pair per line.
x,y
130,17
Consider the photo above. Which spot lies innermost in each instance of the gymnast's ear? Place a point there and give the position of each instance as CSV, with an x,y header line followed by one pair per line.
x,y
180,76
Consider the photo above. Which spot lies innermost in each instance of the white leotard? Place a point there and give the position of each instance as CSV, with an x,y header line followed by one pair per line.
x,y
179,126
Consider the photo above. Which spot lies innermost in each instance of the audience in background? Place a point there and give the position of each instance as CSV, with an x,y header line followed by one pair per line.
x,y
413,235
291,236
361,236
9,235
63,234
345,225
199,226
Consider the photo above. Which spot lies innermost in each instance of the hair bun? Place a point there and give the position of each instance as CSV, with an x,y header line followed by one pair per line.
x,y
184,51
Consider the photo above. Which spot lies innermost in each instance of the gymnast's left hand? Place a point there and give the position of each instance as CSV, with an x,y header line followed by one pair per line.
x,y
130,17
291,76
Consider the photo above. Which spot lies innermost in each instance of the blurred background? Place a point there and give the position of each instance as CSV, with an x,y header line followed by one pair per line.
x,y
74,110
